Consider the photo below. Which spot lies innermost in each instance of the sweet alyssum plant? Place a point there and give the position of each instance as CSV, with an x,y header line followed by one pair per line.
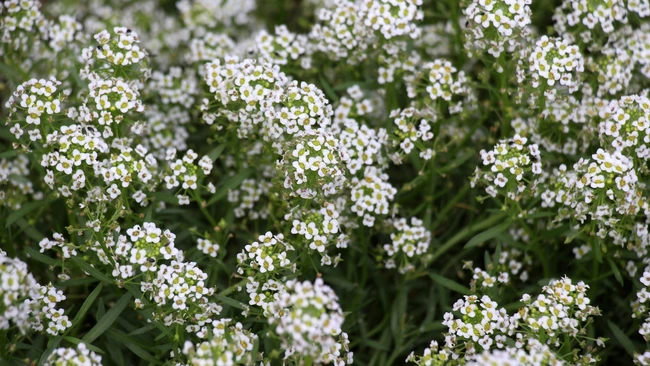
x,y
315,182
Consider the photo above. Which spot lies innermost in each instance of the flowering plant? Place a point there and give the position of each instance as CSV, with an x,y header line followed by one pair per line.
x,y
324,182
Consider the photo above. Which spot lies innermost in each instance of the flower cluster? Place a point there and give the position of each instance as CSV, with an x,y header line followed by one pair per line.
x,y
229,345
313,165
496,25
117,48
320,229
555,60
512,165
17,286
265,261
79,355
208,247
33,102
484,332
393,18
625,126
561,309
413,131
186,173
408,244
371,195
308,319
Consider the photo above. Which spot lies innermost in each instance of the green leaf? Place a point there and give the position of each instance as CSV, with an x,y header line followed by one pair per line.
x,y
327,88
622,338
85,306
9,154
91,270
26,209
54,343
215,153
397,315
228,301
231,183
615,270
108,319
38,256
450,284
488,234
74,340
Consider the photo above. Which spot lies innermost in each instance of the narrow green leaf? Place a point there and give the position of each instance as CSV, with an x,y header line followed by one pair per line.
x,y
74,340
230,183
327,88
622,338
228,301
142,353
215,153
108,319
54,343
397,315
9,154
85,306
450,284
488,234
26,209
615,270
77,282
92,271
38,256
376,345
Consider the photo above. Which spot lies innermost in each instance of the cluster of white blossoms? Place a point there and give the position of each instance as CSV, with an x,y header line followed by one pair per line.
x,y
371,195
63,32
208,247
533,353
303,108
408,244
513,166
38,102
318,230
554,60
639,305
282,47
47,300
625,126
340,33
414,131
229,345
186,173
496,25
249,193
600,190
17,287
209,47
589,18
444,81
19,19
313,165
108,102
118,48
266,261
247,90
363,145
308,319
80,355
393,17
175,87
562,308
481,331
199,15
